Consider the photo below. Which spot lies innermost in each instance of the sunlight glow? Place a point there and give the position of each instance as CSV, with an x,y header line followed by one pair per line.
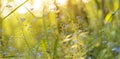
x,y
85,1
6,8
22,10
4,2
51,5
61,2
19,1
36,5
5,12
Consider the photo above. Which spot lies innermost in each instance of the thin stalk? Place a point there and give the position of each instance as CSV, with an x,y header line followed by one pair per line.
x,y
25,39
1,40
44,41
14,9
44,24
103,12
103,8
45,29
55,47
119,3
29,11
55,53
119,9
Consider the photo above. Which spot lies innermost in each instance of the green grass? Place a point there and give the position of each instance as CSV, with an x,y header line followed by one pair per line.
x,y
62,35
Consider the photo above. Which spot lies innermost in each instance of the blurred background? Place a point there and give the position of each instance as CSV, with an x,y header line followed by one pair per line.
x,y
59,29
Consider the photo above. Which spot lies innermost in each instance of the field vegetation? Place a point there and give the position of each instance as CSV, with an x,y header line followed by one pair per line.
x,y
59,29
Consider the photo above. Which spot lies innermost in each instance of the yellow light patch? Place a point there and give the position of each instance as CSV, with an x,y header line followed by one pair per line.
x,y
108,18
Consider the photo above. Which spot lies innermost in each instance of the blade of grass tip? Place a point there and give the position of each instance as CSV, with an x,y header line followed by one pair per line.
x,y
29,11
109,19
14,9
55,48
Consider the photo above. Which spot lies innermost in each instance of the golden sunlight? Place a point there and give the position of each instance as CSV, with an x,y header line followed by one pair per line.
x,y
35,5
22,9
85,1
19,1
61,2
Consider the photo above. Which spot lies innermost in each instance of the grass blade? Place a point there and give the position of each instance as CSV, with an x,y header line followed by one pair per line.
x,y
14,9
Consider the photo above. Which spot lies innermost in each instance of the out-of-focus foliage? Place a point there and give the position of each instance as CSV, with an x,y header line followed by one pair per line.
x,y
79,29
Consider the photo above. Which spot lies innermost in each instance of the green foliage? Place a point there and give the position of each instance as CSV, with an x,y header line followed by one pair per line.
x,y
76,30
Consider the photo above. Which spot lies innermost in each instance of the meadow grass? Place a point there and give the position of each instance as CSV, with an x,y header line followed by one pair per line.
x,y
62,35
